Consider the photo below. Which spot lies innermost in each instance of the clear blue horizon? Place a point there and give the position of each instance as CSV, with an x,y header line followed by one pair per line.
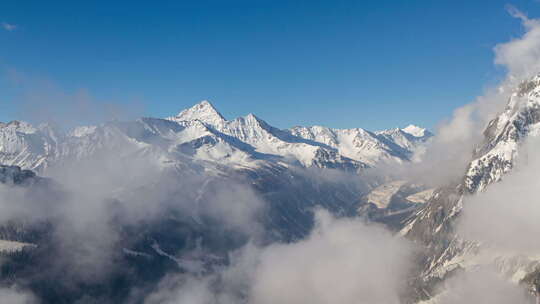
x,y
341,64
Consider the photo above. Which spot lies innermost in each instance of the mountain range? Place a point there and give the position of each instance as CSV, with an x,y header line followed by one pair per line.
x,y
202,134
195,167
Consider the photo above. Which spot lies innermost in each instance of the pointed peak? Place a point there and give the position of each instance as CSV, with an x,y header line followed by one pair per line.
x,y
203,106
249,119
203,111
252,120
319,128
251,116
415,131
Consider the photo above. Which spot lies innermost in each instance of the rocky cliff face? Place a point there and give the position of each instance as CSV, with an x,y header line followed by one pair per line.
x,y
433,226
503,136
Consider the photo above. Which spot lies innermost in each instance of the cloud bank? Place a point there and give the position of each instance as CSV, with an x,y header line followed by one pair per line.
x,y
506,216
342,261
482,286
91,201
447,156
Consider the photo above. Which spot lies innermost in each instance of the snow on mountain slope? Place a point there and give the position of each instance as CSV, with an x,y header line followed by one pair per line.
x,y
24,145
382,195
420,197
269,140
433,225
168,142
409,138
416,131
202,134
365,146
503,135
203,111
33,148
13,246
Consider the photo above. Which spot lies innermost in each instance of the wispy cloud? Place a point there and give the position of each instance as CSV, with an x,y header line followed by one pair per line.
x,y
9,27
451,150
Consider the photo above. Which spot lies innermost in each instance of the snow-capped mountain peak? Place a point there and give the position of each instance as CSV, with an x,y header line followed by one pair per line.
x,y
19,126
434,225
504,135
201,133
203,111
251,119
415,131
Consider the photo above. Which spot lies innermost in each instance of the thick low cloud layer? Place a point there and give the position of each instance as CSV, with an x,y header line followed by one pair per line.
x,y
482,286
14,296
506,215
91,201
341,261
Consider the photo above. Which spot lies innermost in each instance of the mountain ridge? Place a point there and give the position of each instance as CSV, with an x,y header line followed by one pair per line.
x,y
434,224
243,141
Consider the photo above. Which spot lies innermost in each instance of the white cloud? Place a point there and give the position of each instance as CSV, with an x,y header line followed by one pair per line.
x,y
506,216
9,27
342,261
92,197
521,56
451,150
14,296
482,286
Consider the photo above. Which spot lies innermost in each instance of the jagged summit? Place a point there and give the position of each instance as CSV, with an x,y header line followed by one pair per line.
x,y
203,134
16,125
300,142
253,120
203,111
416,131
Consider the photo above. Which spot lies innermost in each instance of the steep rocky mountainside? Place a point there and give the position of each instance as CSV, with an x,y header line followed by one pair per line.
x,y
434,225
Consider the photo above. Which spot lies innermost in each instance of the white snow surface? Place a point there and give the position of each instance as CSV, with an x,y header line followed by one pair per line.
x,y
506,132
415,131
13,246
202,134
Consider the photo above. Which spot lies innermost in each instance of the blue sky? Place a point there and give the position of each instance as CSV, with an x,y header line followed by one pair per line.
x,y
372,64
